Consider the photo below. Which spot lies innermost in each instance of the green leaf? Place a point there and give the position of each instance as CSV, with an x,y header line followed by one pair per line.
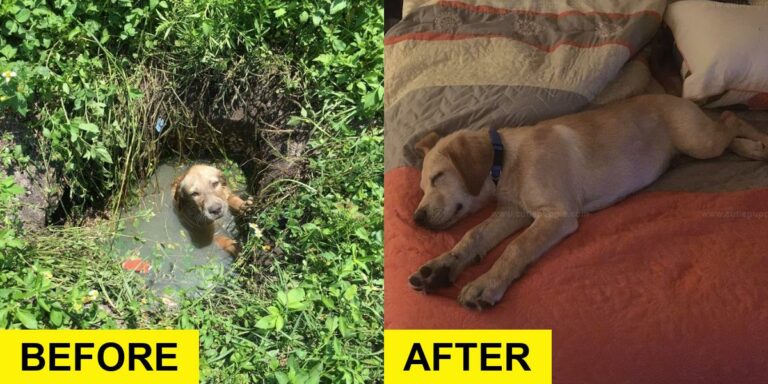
x,y
296,294
135,94
70,9
282,298
56,318
281,378
294,121
293,300
332,323
343,327
362,233
73,32
8,51
27,319
14,189
315,374
350,292
103,155
74,133
207,28
89,127
338,6
43,304
267,322
43,71
369,100
324,58
11,26
23,15
104,36
280,12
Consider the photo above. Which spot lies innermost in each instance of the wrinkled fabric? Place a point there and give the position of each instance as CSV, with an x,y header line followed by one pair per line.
x,y
453,65
663,287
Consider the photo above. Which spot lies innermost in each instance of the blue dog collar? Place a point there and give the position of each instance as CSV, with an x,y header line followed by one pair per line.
x,y
498,155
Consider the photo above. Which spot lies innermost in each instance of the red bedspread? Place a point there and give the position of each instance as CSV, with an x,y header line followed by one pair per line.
x,y
664,287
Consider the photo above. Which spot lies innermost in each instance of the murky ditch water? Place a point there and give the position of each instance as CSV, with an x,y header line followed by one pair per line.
x,y
153,243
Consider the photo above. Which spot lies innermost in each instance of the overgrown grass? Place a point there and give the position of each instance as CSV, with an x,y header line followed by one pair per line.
x,y
303,303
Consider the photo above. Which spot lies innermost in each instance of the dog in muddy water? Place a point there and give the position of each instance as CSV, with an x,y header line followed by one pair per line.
x,y
204,205
544,176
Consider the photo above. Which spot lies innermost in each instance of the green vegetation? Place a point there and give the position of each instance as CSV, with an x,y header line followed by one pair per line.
x,y
88,81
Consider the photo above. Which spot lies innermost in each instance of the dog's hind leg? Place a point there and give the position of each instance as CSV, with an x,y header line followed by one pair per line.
x,y
751,149
742,128
695,134
749,141
443,270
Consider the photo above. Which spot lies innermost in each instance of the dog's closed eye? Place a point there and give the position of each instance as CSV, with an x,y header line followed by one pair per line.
x,y
435,177
215,183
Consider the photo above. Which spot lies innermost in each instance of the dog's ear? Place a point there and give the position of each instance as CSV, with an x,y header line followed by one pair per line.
x,y
426,143
176,190
472,155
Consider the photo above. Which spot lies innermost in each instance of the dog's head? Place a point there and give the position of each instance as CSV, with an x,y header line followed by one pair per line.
x,y
454,177
200,194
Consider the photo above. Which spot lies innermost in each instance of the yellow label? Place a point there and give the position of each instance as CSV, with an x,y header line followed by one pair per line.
x,y
99,356
468,356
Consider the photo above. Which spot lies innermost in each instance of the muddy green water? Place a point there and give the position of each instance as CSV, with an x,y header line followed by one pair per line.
x,y
151,231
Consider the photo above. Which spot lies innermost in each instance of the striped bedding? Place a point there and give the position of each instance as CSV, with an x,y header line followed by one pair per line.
x,y
451,65
668,286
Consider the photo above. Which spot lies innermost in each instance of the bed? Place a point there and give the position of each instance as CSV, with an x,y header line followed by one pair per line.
x,y
668,286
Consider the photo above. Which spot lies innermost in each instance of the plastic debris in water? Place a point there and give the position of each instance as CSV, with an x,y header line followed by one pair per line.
x,y
137,265
160,124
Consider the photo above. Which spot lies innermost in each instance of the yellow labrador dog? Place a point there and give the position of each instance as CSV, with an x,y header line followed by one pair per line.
x,y
552,172
202,200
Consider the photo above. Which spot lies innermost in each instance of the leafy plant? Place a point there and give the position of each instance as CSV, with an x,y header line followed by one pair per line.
x,y
9,239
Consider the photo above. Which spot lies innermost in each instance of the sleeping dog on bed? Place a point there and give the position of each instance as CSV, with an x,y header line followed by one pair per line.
x,y
203,203
544,176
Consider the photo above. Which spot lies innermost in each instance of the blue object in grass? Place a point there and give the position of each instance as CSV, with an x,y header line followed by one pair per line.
x,y
159,125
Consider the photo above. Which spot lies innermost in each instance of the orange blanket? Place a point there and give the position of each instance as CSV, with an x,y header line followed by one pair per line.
x,y
664,287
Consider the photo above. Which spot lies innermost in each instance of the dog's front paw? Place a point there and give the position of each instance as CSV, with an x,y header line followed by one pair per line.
x,y
247,204
241,206
437,273
484,292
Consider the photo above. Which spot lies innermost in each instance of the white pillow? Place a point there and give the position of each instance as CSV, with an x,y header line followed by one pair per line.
x,y
724,49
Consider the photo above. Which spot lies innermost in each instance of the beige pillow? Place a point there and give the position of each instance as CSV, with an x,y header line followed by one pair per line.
x,y
724,49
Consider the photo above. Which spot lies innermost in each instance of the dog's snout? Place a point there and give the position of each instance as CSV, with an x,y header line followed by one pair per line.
x,y
420,216
215,209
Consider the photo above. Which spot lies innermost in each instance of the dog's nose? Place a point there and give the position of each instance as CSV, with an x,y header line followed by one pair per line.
x,y
420,216
215,210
